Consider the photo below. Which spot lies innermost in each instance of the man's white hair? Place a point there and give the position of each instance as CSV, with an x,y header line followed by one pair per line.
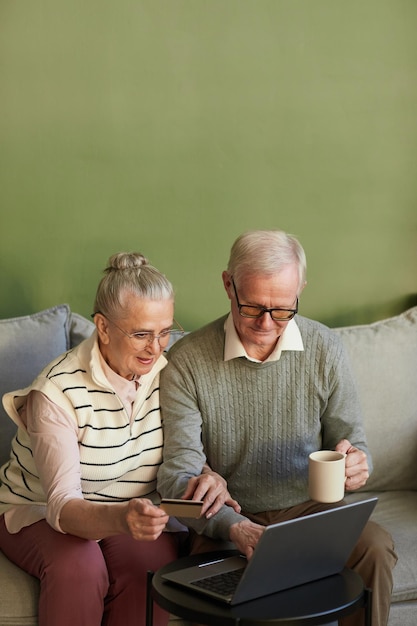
x,y
266,252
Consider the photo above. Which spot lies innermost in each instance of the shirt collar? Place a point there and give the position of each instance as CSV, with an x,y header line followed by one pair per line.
x,y
233,348
127,390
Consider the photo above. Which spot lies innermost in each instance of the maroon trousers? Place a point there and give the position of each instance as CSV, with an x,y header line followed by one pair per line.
x,y
89,583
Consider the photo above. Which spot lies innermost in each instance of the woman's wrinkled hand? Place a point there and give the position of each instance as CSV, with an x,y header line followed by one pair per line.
x,y
144,520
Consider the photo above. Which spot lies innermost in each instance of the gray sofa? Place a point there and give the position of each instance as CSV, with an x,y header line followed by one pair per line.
x,y
384,358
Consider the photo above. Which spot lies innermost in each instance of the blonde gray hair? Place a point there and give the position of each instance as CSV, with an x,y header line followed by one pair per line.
x,y
129,273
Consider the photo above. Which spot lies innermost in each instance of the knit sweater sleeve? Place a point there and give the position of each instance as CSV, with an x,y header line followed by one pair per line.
x,y
183,452
342,416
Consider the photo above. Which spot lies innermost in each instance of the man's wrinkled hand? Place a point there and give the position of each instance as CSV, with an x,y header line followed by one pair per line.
x,y
245,535
212,489
357,469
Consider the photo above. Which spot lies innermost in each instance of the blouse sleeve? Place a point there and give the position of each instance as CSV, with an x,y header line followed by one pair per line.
x,y
54,438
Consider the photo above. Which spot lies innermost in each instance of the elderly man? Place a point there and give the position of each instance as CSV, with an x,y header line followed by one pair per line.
x,y
253,394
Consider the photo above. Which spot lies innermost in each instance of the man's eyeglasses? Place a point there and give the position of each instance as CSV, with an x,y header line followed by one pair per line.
x,y
145,338
253,311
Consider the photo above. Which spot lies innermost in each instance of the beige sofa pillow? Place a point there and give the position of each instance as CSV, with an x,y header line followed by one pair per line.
x,y
384,360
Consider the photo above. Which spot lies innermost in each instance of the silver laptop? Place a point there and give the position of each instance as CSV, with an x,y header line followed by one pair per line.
x,y
288,554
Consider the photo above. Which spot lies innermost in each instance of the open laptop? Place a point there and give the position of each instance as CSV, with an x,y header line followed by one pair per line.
x,y
288,554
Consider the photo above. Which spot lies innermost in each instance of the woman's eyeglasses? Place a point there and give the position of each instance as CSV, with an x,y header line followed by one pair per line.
x,y
142,339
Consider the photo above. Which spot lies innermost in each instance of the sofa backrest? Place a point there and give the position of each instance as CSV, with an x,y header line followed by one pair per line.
x,y
384,361
29,343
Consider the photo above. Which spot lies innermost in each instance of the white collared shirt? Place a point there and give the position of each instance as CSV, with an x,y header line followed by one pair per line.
x,y
289,340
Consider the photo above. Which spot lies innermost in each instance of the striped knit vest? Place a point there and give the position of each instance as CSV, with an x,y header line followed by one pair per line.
x,y
119,456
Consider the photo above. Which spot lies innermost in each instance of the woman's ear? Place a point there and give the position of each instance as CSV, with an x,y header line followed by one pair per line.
x,y
102,328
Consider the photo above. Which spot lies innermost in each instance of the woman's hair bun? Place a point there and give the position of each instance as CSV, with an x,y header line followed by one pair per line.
x,y
126,261
129,272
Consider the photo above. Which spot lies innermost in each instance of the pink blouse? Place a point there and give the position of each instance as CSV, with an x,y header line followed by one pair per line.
x,y
55,446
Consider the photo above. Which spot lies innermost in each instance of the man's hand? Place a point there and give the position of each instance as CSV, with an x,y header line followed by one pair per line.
x,y
245,535
212,489
357,469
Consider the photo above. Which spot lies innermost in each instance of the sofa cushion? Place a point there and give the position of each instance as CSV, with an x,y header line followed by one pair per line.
x,y
79,329
29,343
396,511
19,595
384,360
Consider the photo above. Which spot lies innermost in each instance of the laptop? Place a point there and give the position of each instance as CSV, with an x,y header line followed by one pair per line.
x,y
288,554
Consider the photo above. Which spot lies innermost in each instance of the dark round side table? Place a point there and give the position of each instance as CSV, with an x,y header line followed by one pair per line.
x,y
318,602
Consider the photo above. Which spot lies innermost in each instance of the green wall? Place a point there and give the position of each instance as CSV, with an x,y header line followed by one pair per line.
x,y
171,126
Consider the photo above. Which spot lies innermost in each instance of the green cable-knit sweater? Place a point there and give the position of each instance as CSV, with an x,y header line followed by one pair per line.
x,y
255,423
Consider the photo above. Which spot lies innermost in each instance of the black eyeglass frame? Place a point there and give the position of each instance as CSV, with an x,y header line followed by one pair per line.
x,y
264,309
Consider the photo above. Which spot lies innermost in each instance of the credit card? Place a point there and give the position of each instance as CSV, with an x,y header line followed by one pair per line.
x,y
182,508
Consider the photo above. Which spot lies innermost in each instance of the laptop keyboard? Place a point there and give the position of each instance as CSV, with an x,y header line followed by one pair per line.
x,y
223,584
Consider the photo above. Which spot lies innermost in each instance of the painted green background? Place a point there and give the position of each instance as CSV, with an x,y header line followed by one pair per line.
x,y
171,126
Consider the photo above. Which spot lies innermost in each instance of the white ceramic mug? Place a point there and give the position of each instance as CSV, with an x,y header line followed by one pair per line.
x,y
326,476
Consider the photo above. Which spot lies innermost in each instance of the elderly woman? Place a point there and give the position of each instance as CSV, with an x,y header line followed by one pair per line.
x,y
78,496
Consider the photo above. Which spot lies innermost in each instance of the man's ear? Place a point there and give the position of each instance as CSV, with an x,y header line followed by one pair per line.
x,y
302,288
227,282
